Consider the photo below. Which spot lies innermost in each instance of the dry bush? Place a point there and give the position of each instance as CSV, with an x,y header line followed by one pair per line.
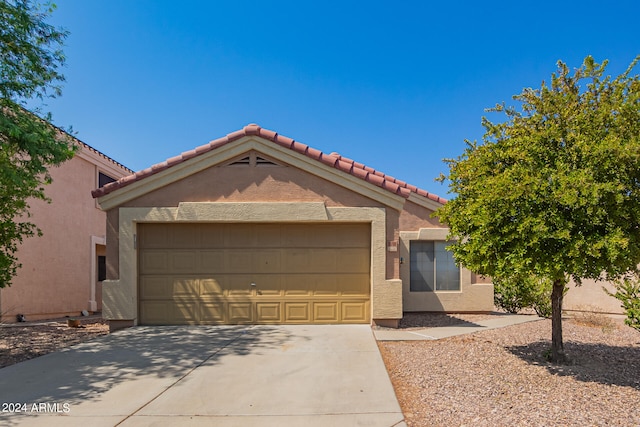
x,y
590,315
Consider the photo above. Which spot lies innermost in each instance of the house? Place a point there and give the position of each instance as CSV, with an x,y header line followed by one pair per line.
x,y
255,227
62,270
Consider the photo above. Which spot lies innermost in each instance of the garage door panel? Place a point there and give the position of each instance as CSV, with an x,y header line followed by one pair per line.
x,y
238,260
296,236
184,311
183,236
240,236
297,312
268,235
298,285
185,287
154,236
155,312
211,261
211,287
326,285
155,287
357,236
212,312
354,311
297,260
211,237
268,312
353,260
240,312
266,261
268,285
237,285
323,260
154,262
183,262
325,311
354,285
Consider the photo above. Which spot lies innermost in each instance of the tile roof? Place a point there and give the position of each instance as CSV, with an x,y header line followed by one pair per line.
x,y
334,160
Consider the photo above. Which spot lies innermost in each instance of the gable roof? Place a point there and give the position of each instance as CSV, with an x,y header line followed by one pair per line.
x,y
334,160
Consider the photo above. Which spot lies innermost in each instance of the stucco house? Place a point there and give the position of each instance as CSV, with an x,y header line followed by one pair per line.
x,y
62,270
255,227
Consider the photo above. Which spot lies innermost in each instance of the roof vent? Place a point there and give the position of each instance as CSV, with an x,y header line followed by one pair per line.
x,y
245,161
264,162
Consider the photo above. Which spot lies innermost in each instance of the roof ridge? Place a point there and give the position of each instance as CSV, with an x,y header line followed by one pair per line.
x,y
334,160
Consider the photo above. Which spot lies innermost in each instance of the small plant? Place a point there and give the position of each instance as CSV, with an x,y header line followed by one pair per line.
x,y
628,292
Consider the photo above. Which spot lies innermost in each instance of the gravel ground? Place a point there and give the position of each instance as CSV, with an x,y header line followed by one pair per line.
x,y
24,341
500,377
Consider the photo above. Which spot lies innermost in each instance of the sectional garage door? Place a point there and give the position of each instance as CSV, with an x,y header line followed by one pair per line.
x,y
253,273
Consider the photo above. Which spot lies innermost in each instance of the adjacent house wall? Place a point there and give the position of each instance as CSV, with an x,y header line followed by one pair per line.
x,y
56,277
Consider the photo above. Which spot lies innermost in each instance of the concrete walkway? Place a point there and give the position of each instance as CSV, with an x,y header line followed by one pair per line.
x,y
202,376
497,321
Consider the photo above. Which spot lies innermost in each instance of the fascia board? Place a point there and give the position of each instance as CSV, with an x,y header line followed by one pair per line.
x,y
424,202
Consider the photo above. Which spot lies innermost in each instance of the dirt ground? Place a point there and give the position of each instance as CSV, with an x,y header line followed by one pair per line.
x,y
27,340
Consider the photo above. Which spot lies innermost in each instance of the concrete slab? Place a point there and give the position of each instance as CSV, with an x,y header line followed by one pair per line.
x,y
498,321
234,375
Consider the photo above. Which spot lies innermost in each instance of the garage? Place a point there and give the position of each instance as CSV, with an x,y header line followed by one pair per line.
x,y
263,273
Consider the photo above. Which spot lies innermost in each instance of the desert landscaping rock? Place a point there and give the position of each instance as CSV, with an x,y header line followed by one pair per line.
x,y
501,378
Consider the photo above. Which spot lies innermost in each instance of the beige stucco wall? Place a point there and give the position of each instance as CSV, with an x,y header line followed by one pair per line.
x,y
56,276
591,297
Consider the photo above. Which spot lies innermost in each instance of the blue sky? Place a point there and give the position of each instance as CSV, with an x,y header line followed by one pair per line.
x,y
396,85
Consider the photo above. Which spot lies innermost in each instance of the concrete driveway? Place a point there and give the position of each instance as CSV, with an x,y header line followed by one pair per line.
x,y
206,375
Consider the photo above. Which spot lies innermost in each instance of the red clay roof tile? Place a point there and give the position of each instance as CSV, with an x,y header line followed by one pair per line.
x,y
375,179
335,160
314,154
344,166
360,173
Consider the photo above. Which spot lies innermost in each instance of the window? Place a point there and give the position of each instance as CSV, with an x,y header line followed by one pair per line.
x,y
102,268
104,179
432,267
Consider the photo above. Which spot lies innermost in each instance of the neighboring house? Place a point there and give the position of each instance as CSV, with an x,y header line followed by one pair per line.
x,y
255,227
62,270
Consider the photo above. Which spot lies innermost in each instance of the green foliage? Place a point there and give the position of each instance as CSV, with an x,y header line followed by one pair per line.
x,y
30,58
554,190
628,292
514,294
511,295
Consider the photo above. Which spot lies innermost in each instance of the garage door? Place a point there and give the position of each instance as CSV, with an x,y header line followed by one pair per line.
x,y
254,273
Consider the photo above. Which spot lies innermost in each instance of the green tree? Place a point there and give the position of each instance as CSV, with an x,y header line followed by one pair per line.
x,y
30,60
553,191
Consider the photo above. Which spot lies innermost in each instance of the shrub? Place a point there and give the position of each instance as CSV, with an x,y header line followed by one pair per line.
x,y
515,293
628,292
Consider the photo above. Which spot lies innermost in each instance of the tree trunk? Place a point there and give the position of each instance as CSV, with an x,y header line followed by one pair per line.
x,y
557,345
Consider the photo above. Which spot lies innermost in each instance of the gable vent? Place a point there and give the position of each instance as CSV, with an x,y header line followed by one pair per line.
x,y
245,161
264,162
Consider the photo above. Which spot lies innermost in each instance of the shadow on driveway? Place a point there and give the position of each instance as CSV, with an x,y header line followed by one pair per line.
x,y
85,371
